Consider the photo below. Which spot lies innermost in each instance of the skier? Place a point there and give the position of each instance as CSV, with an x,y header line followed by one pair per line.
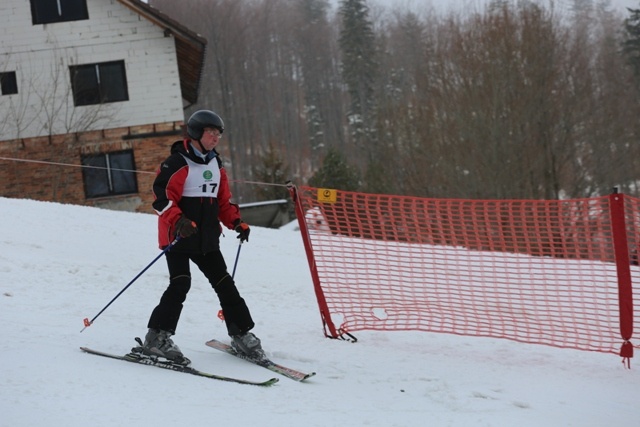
x,y
192,198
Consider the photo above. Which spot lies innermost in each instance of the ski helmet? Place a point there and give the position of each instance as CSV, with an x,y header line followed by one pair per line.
x,y
203,119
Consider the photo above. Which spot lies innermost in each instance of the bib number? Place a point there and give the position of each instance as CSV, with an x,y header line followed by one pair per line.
x,y
209,187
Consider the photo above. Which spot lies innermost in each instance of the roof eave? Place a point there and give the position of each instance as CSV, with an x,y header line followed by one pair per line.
x,y
190,47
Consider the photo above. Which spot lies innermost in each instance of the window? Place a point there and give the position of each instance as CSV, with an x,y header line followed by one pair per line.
x,y
99,83
8,83
48,11
109,174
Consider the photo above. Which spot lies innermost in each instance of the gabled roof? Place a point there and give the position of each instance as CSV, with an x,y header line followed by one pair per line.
x,y
190,47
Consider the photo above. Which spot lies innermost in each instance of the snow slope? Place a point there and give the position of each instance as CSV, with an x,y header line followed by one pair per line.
x,y
62,263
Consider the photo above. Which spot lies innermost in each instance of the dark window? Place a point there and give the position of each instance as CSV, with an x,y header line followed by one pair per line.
x,y
99,83
8,83
47,11
109,174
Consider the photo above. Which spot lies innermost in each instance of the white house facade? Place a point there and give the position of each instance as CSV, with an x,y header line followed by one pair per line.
x,y
105,80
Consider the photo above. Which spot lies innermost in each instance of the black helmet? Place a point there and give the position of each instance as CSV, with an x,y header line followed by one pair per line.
x,y
203,119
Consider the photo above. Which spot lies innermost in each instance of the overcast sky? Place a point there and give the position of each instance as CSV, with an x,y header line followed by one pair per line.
x,y
446,5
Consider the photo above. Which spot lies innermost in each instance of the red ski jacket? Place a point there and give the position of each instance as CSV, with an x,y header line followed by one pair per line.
x,y
187,184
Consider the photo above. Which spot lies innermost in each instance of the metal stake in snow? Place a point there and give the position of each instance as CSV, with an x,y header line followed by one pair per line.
x,y
88,322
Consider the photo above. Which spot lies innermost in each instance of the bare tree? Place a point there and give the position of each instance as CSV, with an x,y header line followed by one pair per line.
x,y
261,70
314,41
509,103
45,98
15,110
513,101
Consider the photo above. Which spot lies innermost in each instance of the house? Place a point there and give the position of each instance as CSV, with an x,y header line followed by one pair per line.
x,y
93,94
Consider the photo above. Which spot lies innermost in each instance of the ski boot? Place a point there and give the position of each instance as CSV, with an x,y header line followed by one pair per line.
x,y
158,343
249,345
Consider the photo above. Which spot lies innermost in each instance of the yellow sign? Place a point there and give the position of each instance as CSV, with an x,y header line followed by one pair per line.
x,y
326,195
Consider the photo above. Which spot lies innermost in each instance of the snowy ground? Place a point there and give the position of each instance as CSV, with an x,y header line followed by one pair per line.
x,y
60,264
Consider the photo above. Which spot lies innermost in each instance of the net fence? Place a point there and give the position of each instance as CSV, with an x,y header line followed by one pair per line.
x,y
536,271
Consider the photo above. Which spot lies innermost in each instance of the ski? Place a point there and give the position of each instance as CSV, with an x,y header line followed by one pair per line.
x,y
265,363
136,358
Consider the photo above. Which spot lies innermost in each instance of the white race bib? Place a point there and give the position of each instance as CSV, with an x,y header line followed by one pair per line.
x,y
202,180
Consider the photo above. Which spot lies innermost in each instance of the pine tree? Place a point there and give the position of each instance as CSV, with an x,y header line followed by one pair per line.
x,y
313,25
336,173
359,66
272,170
631,46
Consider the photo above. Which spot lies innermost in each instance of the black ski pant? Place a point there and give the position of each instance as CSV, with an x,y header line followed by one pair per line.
x,y
166,315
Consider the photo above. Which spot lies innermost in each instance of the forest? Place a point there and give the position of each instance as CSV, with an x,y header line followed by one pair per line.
x,y
519,100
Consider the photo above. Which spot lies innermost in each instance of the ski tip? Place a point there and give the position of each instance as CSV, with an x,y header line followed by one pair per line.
x,y
271,381
312,374
302,379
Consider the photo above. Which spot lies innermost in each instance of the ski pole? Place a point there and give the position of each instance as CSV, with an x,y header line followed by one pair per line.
x,y
235,264
88,322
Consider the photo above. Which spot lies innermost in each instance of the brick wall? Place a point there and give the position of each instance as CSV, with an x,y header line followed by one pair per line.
x,y
48,168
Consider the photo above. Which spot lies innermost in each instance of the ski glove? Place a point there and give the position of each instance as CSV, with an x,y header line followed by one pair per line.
x,y
243,230
185,227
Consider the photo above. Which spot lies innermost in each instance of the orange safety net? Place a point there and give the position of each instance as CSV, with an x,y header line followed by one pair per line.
x,y
535,271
